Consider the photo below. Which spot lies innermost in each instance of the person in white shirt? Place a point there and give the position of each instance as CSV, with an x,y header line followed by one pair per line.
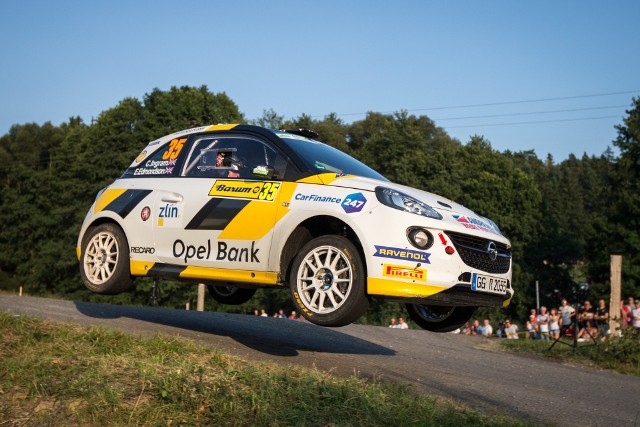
x,y
636,318
543,323
511,330
487,329
402,324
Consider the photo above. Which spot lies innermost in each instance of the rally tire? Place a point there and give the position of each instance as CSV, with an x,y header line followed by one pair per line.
x,y
104,260
327,282
438,318
231,295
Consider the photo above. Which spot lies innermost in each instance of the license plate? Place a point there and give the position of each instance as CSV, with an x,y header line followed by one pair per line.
x,y
494,285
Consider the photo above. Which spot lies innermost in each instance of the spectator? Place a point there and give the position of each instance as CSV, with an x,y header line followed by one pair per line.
x,y
636,317
402,324
501,333
586,322
293,315
630,307
631,304
263,313
511,330
487,329
532,332
281,314
566,313
256,312
473,329
393,323
543,324
602,318
465,328
625,314
554,324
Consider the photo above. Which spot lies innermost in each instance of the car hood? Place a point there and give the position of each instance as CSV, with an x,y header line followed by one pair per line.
x,y
448,208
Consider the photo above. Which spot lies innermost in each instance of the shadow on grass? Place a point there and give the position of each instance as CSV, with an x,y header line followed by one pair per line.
x,y
280,337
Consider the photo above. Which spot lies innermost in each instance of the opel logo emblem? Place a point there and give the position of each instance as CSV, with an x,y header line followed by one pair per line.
x,y
492,251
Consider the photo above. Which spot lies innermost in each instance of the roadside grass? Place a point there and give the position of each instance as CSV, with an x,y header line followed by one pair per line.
x,y
618,354
60,374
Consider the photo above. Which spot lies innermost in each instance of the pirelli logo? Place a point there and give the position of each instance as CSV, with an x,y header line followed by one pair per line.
x,y
401,272
245,190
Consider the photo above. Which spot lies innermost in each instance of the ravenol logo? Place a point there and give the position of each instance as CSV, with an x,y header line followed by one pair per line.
x,y
401,272
403,254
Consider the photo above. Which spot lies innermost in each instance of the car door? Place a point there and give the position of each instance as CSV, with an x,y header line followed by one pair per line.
x,y
220,212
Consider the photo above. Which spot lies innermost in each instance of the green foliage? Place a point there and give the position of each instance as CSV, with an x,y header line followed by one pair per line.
x,y
621,354
564,220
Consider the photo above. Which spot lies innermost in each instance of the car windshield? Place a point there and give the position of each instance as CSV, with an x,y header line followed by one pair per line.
x,y
322,158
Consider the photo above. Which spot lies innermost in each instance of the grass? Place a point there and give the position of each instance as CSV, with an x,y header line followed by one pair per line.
x,y
60,374
617,354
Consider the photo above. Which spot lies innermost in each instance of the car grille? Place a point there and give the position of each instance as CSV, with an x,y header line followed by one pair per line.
x,y
473,251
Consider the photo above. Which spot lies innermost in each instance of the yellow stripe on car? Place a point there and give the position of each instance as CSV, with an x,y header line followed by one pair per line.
x,y
253,222
107,196
140,268
396,288
222,274
220,127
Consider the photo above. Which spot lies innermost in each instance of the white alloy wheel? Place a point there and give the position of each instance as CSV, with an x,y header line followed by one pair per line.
x,y
104,266
101,258
327,281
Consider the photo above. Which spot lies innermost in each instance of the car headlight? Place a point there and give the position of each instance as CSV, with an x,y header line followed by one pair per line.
x,y
397,200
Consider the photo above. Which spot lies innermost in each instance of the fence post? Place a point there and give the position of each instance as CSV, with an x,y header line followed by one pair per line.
x,y
616,295
200,303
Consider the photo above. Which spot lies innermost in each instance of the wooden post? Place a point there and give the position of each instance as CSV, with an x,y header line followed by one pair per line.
x,y
20,292
616,295
200,303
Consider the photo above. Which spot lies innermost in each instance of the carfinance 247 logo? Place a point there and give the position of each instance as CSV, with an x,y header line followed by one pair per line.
x,y
354,203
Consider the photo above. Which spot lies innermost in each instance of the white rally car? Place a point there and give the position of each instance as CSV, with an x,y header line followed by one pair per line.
x,y
239,207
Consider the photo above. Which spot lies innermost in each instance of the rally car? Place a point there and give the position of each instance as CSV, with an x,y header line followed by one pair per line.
x,y
240,207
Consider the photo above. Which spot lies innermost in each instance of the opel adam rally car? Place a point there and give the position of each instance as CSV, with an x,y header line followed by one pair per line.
x,y
240,207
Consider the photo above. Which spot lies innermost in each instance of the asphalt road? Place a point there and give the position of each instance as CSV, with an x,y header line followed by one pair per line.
x,y
468,370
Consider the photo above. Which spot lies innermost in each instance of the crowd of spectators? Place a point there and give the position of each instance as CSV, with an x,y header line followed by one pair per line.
x,y
549,324
280,314
593,322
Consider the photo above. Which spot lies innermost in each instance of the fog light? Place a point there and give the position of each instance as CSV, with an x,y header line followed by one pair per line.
x,y
419,238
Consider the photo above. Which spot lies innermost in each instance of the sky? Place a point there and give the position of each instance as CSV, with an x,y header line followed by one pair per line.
x,y
551,76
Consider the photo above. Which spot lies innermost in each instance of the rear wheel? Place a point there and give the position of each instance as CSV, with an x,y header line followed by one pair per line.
x,y
439,318
231,295
327,282
104,260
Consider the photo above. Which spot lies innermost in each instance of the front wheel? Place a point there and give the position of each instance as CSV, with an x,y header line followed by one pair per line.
x,y
439,318
231,295
327,282
104,260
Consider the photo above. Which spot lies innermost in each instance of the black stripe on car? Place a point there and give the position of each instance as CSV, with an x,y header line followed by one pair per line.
x,y
166,270
127,201
216,214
